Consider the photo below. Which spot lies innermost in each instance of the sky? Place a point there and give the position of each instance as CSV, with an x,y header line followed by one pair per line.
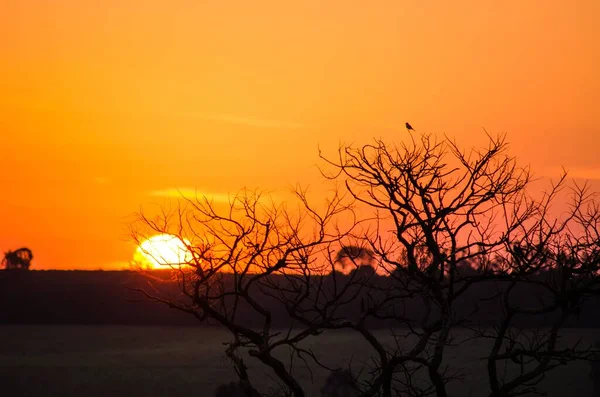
x,y
109,106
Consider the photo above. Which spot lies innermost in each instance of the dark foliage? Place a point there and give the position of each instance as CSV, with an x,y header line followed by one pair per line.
x,y
19,259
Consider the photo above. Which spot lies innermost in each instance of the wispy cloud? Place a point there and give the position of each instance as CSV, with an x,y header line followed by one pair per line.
x,y
263,123
222,198
192,194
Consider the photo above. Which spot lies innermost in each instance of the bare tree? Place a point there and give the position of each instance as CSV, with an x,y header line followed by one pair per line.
x,y
243,262
441,211
450,236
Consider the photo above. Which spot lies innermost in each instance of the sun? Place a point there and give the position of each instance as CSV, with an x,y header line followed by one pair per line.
x,y
163,251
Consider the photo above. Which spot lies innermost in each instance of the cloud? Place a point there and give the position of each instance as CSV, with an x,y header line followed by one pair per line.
x,y
192,194
252,122
222,198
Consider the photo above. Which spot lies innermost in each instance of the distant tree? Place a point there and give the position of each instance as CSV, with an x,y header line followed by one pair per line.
x,y
447,227
364,271
355,253
18,259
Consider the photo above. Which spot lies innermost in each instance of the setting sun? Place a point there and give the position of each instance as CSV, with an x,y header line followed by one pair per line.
x,y
162,251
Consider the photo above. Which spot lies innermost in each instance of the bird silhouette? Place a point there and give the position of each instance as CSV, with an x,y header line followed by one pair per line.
x,y
408,126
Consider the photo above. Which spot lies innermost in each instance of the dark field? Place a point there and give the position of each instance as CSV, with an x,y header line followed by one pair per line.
x,y
42,360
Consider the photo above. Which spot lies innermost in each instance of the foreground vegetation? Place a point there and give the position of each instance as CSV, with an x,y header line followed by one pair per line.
x,y
439,222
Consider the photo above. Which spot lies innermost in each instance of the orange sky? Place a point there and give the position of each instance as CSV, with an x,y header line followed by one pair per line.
x,y
105,105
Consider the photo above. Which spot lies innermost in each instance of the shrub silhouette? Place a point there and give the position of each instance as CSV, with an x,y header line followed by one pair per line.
x,y
18,259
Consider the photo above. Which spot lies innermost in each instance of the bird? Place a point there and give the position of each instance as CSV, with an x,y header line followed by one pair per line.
x,y
408,126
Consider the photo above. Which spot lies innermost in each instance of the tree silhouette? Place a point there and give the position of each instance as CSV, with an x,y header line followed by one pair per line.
x,y
18,259
354,252
457,233
354,257
437,208
252,248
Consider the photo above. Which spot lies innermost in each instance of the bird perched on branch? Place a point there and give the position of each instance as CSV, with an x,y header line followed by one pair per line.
x,y
408,126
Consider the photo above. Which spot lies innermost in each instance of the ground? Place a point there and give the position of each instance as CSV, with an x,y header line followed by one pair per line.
x,y
177,361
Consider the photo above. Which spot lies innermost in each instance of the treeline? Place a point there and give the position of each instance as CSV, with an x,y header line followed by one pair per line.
x,y
111,297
